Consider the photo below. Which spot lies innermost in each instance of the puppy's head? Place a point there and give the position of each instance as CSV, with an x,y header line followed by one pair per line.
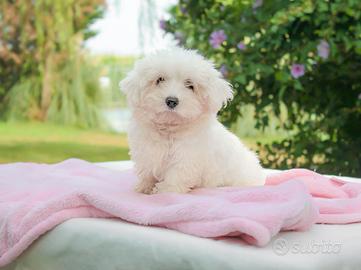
x,y
175,87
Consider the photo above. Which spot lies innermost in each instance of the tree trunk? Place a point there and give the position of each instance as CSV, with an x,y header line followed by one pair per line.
x,y
46,88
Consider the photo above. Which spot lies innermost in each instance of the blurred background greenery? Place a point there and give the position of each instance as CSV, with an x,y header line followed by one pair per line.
x,y
295,67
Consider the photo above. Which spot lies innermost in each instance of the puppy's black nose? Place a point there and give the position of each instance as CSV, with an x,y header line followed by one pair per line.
x,y
171,102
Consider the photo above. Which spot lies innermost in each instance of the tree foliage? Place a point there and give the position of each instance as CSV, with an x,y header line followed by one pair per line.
x,y
43,72
302,55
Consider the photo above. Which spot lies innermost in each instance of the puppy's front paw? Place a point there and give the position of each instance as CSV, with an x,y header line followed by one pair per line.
x,y
144,187
164,187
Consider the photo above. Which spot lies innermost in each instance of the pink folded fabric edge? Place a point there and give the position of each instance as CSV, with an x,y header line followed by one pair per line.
x,y
34,198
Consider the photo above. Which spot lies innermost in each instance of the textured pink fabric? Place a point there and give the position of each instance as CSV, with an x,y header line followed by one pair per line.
x,y
339,202
34,198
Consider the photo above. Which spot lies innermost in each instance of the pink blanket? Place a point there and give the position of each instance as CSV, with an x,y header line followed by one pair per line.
x,y
34,198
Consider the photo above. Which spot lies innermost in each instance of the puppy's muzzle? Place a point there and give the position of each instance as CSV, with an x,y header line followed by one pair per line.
x,y
171,102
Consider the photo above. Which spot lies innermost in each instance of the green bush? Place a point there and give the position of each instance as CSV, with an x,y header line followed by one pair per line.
x,y
301,55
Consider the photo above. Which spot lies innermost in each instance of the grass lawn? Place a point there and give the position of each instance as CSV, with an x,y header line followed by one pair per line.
x,y
38,142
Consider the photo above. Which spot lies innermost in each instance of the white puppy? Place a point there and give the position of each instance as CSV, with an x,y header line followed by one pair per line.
x,y
175,139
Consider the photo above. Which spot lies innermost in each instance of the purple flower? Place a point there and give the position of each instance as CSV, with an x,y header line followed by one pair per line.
x,y
241,46
257,4
216,38
323,49
162,24
223,70
297,70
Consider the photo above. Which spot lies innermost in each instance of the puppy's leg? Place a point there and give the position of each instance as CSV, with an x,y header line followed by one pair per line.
x,y
145,183
179,180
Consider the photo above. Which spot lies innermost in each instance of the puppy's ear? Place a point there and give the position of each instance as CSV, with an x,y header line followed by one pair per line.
x,y
130,86
220,92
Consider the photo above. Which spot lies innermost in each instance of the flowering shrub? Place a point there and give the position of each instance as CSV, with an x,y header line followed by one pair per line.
x,y
304,56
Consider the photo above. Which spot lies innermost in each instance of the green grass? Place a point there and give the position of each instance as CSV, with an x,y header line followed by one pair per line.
x,y
49,143
38,142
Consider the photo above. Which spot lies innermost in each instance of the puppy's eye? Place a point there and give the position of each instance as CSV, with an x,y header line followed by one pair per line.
x,y
189,85
159,80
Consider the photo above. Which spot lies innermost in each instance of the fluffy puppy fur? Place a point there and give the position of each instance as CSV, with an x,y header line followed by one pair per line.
x,y
175,139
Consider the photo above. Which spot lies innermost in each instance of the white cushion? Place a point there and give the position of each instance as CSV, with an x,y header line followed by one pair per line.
x,y
109,244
